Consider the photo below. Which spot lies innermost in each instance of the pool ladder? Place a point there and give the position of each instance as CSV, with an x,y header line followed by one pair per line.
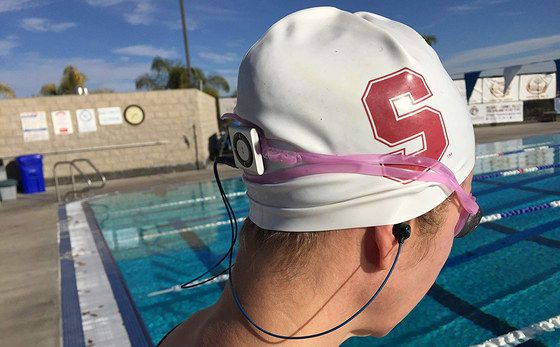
x,y
99,183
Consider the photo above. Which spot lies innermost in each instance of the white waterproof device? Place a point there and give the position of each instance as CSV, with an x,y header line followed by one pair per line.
x,y
246,149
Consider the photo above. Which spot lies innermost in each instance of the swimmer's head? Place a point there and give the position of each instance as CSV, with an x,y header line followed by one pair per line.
x,y
332,82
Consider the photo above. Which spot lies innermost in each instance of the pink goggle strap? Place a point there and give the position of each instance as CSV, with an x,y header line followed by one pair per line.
x,y
388,165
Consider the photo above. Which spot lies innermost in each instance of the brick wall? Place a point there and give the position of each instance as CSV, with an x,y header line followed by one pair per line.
x,y
171,116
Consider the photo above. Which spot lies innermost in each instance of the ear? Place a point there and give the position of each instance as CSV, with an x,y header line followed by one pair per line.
x,y
383,243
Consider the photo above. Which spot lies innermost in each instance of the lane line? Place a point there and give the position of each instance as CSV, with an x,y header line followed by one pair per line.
x,y
202,252
468,311
502,243
543,241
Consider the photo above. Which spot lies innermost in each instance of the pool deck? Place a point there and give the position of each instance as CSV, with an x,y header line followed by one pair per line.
x,y
29,260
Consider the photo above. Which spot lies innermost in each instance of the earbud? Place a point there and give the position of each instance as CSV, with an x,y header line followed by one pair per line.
x,y
401,232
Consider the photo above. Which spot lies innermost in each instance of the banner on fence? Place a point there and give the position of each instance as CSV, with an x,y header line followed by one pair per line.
x,y
493,89
537,86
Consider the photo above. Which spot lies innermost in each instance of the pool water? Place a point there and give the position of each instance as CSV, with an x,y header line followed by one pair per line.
x,y
504,277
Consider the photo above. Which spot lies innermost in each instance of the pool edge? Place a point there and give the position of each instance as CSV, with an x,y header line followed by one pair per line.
x,y
132,320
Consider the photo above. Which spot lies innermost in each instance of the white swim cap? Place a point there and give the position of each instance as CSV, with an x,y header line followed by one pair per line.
x,y
328,81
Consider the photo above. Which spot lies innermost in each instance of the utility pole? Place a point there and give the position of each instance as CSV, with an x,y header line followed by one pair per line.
x,y
185,41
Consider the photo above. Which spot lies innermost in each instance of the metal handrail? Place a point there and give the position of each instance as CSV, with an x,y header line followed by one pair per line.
x,y
72,165
95,148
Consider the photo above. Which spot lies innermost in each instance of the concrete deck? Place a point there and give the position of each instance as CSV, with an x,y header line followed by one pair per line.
x,y
29,288
515,131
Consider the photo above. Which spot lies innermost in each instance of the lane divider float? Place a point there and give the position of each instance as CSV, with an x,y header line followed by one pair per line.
x,y
176,203
523,335
504,173
517,151
177,288
520,211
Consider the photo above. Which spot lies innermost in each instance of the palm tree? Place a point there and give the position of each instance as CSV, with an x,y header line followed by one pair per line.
x,y
165,74
168,74
211,84
72,78
430,39
6,91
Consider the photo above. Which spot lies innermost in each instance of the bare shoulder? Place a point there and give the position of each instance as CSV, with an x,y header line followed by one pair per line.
x,y
200,329
188,333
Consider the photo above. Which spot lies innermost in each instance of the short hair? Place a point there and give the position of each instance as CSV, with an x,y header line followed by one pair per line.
x,y
292,248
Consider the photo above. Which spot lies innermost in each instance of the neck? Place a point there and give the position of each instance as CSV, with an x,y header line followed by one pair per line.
x,y
296,316
295,304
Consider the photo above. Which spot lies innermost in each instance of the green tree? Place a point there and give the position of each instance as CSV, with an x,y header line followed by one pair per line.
x,y
430,39
168,74
72,78
6,91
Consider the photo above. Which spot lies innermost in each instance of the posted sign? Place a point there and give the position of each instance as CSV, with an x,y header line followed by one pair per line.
x,y
86,120
110,115
62,122
34,126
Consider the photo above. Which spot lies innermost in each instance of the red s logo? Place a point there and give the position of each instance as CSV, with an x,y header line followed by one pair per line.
x,y
423,125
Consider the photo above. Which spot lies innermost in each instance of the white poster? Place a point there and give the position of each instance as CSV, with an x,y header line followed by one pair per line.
x,y
109,115
537,86
86,120
493,89
34,126
497,112
62,122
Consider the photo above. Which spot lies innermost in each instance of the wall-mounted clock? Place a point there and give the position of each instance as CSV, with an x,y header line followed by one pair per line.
x,y
134,115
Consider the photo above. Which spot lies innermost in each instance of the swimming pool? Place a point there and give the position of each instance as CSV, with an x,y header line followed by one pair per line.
x,y
503,278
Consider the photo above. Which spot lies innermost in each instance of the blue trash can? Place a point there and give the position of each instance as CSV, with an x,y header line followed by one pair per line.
x,y
32,179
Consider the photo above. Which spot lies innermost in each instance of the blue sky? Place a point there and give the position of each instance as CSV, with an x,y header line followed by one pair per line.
x,y
114,41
